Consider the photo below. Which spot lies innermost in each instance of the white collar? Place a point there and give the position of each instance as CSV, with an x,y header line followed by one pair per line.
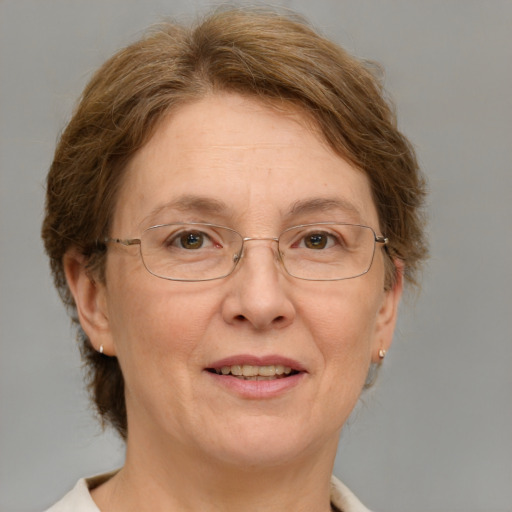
x,y
79,498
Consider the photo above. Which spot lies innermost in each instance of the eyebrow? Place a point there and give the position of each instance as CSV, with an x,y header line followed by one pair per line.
x,y
208,206
190,203
322,204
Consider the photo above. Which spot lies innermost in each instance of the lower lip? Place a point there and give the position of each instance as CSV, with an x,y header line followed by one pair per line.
x,y
257,389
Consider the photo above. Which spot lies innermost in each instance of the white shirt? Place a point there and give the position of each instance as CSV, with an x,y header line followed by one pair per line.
x,y
79,498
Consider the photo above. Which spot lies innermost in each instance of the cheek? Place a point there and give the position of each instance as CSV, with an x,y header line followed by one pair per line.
x,y
343,316
342,320
156,319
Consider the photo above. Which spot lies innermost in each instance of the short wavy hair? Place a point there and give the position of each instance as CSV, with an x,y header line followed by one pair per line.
x,y
272,56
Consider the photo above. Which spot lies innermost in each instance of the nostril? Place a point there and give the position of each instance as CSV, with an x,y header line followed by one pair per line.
x,y
279,319
240,317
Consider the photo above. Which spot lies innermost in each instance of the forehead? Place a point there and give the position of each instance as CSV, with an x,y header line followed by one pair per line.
x,y
231,158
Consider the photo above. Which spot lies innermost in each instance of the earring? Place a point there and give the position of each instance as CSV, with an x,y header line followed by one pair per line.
x,y
382,353
101,349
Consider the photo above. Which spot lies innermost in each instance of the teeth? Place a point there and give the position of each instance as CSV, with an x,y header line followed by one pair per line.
x,y
251,372
267,371
236,369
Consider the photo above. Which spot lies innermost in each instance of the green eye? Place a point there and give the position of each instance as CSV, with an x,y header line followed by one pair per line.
x,y
192,240
316,241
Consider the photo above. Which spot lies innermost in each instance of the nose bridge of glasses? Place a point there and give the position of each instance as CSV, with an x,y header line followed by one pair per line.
x,y
252,239
241,254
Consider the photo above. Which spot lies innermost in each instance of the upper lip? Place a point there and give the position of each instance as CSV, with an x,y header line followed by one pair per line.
x,y
248,359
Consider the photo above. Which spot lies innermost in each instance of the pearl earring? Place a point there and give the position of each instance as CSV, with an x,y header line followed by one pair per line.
x,y
382,353
101,349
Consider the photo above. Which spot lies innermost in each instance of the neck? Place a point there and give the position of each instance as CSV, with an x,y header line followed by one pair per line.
x,y
178,481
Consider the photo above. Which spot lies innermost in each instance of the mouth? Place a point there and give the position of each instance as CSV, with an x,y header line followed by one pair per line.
x,y
257,377
253,372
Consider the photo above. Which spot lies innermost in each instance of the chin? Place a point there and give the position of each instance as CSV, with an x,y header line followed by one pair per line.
x,y
265,443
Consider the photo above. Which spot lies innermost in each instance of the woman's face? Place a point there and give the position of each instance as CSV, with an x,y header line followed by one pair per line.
x,y
235,162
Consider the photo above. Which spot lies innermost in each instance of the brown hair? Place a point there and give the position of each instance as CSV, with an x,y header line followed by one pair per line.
x,y
272,56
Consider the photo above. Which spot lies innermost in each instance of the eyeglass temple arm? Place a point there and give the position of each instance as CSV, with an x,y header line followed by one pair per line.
x,y
128,241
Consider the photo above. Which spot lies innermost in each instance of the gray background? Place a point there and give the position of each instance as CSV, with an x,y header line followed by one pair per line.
x,y
436,432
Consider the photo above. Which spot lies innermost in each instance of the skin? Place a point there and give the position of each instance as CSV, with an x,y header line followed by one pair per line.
x,y
248,453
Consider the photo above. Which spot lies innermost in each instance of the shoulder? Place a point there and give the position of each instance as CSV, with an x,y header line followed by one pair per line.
x,y
79,498
344,499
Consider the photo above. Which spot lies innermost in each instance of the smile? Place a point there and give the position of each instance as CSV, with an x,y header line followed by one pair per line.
x,y
252,372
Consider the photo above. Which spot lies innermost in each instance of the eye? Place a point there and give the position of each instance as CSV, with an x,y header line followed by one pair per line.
x,y
191,240
317,241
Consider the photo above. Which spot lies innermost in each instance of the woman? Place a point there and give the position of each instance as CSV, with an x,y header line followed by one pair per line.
x,y
231,214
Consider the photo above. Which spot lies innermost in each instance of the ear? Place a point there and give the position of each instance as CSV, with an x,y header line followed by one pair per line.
x,y
387,314
90,300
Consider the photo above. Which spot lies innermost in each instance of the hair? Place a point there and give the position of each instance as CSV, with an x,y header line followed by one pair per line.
x,y
277,58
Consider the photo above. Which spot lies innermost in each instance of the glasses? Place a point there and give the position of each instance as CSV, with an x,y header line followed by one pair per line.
x,y
322,251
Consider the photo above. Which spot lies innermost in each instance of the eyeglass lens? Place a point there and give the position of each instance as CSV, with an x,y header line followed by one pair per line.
x,y
199,252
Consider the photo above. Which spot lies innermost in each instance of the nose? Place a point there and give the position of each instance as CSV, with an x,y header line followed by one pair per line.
x,y
259,290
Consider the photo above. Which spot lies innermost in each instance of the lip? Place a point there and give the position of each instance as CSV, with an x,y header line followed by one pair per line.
x,y
256,389
258,361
